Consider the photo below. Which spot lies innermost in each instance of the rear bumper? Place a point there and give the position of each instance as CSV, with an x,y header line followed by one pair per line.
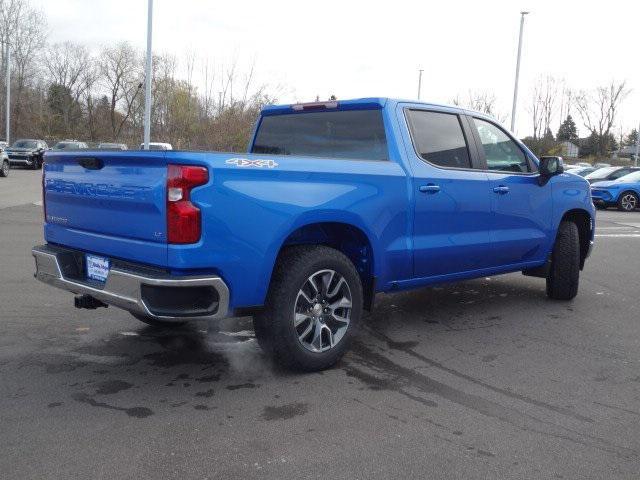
x,y
137,289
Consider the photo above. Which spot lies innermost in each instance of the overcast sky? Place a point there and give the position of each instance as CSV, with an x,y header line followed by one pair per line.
x,y
370,48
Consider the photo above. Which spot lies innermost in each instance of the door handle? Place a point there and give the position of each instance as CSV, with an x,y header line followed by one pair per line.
x,y
429,188
501,189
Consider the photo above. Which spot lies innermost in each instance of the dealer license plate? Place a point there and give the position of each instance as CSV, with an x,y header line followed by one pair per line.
x,y
97,267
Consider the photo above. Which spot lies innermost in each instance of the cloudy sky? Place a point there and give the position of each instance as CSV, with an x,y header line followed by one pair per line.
x,y
371,48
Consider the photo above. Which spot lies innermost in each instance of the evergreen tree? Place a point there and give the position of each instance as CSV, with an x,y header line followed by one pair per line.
x,y
567,131
631,138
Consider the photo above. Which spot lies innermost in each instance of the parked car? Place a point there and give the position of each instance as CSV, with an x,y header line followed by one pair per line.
x,y
609,173
623,193
335,202
112,146
601,165
582,171
582,164
157,146
27,152
3,145
70,145
5,165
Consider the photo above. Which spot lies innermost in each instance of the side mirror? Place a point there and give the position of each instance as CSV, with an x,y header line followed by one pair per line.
x,y
550,166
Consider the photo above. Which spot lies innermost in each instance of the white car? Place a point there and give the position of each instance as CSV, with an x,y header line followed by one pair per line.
x,y
157,146
5,166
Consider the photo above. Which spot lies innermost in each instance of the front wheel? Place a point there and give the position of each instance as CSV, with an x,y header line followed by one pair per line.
x,y
564,274
313,306
4,171
628,202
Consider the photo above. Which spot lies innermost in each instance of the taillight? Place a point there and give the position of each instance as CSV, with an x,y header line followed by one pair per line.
x,y
183,217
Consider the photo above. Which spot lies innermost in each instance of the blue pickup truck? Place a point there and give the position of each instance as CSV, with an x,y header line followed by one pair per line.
x,y
335,202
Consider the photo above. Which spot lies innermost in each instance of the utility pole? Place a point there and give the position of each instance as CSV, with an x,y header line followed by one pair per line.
x,y
8,85
637,144
515,87
419,82
147,79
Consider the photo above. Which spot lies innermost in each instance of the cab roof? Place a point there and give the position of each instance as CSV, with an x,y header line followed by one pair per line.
x,y
358,104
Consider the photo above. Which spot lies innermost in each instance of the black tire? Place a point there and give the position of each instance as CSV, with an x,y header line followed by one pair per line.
x,y
35,164
599,206
564,274
155,323
4,171
274,326
628,201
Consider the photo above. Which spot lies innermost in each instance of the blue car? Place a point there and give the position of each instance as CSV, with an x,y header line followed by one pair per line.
x,y
623,193
332,203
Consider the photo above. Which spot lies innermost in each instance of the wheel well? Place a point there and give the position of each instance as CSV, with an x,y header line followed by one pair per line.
x,y
627,191
582,219
349,240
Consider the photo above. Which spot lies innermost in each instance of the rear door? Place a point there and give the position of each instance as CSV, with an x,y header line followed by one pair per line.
x,y
113,203
521,221
452,202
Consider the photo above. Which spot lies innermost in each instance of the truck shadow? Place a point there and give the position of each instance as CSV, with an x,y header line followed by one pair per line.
x,y
177,366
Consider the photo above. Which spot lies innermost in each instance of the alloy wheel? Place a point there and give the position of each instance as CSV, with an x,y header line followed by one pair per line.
x,y
629,202
322,311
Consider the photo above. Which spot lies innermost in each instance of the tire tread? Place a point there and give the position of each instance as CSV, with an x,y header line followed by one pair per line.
x,y
563,277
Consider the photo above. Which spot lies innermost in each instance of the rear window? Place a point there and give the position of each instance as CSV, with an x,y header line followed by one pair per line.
x,y
349,134
438,138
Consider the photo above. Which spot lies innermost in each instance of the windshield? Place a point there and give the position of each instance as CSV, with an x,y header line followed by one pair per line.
x,y
349,134
65,145
25,144
631,177
602,172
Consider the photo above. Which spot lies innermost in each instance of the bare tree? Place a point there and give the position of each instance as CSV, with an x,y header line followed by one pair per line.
x,y
121,70
23,27
70,68
598,109
543,105
481,101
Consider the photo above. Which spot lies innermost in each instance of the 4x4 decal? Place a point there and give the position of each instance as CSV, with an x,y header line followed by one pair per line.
x,y
245,162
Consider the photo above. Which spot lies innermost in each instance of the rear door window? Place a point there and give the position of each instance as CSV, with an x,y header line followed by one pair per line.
x,y
347,134
619,173
438,138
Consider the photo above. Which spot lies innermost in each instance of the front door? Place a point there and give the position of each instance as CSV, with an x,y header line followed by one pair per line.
x,y
521,208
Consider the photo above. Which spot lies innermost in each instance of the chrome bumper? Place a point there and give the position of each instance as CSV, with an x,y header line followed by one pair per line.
x,y
21,161
123,288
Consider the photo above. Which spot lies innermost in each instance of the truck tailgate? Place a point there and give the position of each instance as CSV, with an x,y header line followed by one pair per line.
x,y
113,203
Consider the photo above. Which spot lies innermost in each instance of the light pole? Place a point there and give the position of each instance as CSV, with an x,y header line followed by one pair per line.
x,y
147,79
515,87
419,82
637,145
7,122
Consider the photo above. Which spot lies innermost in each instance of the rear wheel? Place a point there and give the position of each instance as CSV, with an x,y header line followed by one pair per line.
x,y
4,170
313,305
564,274
628,201
153,322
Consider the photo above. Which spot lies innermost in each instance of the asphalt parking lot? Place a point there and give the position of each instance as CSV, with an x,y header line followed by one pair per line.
x,y
481,379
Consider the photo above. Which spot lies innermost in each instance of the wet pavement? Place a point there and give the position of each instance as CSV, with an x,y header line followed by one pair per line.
x,y
481,379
